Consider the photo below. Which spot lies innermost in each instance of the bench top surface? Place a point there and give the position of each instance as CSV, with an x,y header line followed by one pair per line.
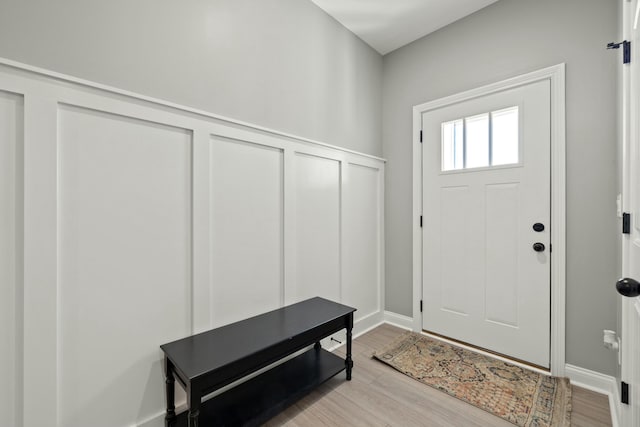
x,y
209,351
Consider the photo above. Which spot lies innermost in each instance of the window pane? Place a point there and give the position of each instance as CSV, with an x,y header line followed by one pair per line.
x,y
452,145
504,129
477,141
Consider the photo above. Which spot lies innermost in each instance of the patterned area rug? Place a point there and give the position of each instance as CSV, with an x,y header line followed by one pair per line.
x,y
520,396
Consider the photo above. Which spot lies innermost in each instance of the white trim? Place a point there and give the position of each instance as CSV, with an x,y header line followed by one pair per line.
x,y
417,213
556,75
590,380
361,327
367,323
629,415
398,320
558,219
600,383
614,406
129,94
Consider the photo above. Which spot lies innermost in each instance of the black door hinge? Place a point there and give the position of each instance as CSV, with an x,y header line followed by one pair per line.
x,y
624,392
420,136
420,306
420,221
626,223
626,50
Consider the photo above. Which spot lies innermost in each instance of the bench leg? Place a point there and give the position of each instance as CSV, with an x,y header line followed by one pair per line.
x,y
169,382
193,400
193,417
348,361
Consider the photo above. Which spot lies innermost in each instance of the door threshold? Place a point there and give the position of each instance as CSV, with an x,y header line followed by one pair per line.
x,y
499,356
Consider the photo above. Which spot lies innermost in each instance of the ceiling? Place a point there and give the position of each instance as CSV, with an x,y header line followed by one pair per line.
x,y
389,24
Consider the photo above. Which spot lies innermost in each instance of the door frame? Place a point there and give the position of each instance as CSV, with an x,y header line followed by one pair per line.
x,y
556,75
628,415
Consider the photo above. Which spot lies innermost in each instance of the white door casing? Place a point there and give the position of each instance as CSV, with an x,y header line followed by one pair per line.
x,y
555,76
483,284
630,343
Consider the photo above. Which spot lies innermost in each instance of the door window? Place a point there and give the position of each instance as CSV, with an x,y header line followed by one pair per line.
x,y
480,141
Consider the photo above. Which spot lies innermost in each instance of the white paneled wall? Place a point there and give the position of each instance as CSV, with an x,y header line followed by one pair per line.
x,y
362,248
317,227
145,222
11,126
124,259
247,223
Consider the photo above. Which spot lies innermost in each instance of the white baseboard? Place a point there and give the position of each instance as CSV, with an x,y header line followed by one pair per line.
x,y
614,406
600,383
156,420
367,323
590,380
360,327
399,320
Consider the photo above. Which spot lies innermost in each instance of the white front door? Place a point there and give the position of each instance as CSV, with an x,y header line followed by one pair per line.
x,y
630,371
486,222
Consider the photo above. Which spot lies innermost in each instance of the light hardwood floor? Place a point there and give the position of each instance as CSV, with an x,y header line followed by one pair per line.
x,y
378,395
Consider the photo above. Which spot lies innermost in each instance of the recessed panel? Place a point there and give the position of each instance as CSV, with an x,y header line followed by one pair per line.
x,y
317,227
501,253
362,240
11,126
124,263
454,252
246,230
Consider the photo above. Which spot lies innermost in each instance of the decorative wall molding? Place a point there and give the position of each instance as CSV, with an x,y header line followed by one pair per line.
x,y
145,221
48,74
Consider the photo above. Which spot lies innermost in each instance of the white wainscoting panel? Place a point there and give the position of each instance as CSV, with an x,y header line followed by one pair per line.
x,y
362,243
124,263
128,222
247,230
11,126
317,228
501,253
456,255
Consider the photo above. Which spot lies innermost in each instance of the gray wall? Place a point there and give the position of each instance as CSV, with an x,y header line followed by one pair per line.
x,y
284,64
503,40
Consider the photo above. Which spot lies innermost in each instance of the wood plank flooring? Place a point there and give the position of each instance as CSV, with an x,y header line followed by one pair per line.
x,y
378,395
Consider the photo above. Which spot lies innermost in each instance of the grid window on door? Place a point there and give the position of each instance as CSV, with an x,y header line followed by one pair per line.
x,y
480,141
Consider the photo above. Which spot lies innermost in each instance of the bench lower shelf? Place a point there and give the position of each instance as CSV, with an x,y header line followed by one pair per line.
x,y
257,400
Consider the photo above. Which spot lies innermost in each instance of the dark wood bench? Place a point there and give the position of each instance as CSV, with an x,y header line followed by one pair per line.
x,y
206,362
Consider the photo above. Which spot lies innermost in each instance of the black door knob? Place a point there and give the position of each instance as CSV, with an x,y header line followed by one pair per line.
x,y
628,287
538,247
538,226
